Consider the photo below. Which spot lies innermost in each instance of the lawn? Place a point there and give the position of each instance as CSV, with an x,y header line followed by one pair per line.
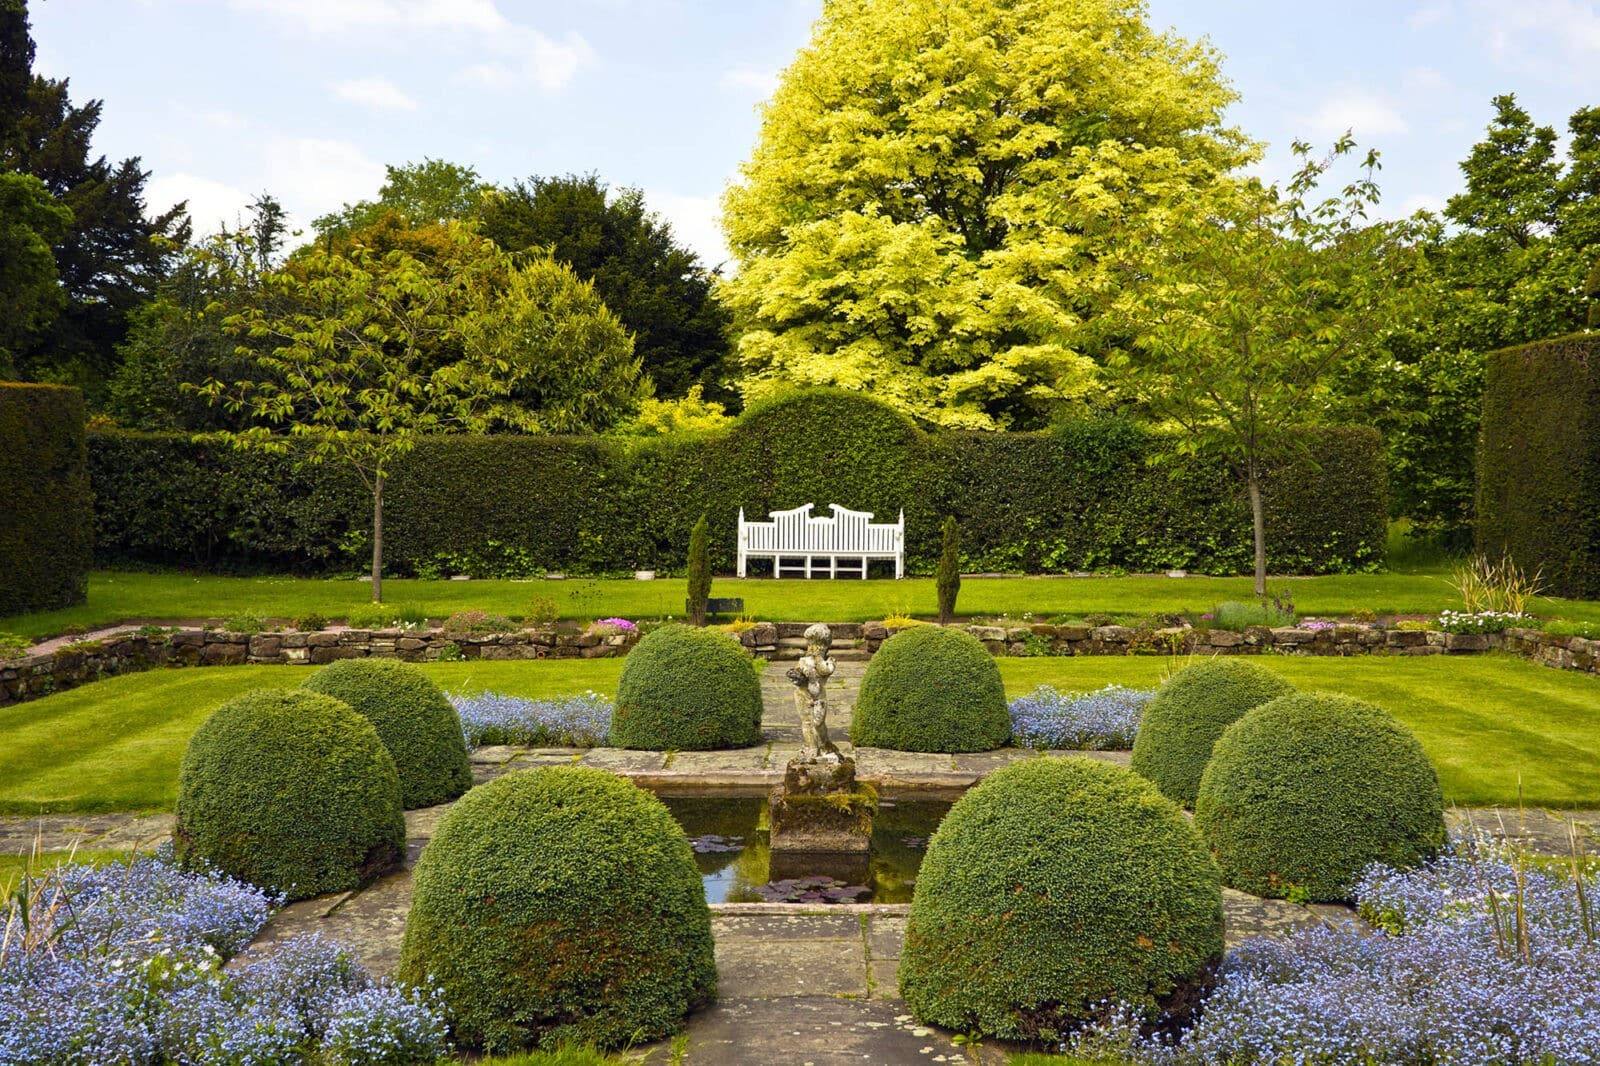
x,y
1491,724
116,596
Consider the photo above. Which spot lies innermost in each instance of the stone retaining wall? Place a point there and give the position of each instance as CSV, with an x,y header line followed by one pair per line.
x,y
39,675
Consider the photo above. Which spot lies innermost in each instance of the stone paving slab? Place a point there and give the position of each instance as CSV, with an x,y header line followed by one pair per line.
x,y
813,1031
21,835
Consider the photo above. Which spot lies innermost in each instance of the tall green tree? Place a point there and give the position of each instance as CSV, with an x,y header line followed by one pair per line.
x,y
927,213
420,193
1245,301
108,260
656,286
30,293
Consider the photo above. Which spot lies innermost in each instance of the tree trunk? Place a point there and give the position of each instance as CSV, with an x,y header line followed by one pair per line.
x,y
377,539
1253,480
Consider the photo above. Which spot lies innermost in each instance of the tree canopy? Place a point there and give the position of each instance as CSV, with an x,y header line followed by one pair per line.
x,y
927,211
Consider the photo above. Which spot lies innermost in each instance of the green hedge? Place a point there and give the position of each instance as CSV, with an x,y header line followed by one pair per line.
x,y
931,689
46,512
1081,497
687,689
1539,461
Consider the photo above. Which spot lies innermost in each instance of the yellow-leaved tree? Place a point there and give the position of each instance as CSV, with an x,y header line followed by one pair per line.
x,y
926,213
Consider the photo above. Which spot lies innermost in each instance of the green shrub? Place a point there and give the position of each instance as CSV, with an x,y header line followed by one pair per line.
x,y
687,689
1539,462
414,720
699,573
477,623
1182,723
560,906
310,623
244,623
1306,792
931,689
1052,887
387,616
1240,616
947,580
291,790
46,509
13,646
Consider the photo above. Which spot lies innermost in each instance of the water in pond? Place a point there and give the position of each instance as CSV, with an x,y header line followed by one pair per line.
x,y
730,842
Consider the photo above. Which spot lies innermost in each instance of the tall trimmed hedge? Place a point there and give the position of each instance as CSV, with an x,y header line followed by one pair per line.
x,y
46,511
1077,498
1539,461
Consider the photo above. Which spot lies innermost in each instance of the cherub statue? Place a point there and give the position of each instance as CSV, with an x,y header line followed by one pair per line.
x,y
810,676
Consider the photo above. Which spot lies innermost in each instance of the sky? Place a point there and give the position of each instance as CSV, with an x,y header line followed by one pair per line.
x,y
308,99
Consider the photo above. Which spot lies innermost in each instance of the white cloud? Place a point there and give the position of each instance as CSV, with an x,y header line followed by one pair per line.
x,y
1429,15
1362,113
1524,33
744,78
378,93
534,59
696,223
312,176
212,204
1424,80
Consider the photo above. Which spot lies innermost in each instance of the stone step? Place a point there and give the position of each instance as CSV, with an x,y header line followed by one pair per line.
x,y
847,644
840,630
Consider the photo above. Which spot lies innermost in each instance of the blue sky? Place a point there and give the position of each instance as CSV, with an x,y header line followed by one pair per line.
x,y
309,98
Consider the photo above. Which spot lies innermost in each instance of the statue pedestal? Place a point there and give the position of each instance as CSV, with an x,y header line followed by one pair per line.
x,y
821,808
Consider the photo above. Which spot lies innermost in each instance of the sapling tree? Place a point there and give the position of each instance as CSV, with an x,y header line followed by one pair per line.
x,y
338,349
948,581
1243,300
699,573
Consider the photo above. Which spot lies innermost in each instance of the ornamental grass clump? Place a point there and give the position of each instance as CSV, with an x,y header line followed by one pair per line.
x,y
560,906
414,719
125,963
687,689
1304,793
1182,723
931,688
290,790
1052,887
1104,720
578,721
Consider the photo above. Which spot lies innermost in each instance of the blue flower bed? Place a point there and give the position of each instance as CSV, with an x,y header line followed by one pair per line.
x,y
125,964
1477,959
1104,720
581,721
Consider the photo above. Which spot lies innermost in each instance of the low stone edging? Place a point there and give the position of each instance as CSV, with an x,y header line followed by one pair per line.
x,y
77,664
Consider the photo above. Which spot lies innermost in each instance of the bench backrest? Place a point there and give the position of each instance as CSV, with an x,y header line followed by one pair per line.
x,y
844,532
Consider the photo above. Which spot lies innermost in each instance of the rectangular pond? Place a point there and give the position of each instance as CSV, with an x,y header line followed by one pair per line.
x,y
729,837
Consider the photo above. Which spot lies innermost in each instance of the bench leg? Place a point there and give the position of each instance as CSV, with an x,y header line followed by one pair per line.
x,y
863,568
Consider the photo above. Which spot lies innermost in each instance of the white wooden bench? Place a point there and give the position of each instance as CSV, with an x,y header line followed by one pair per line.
x,y
846,539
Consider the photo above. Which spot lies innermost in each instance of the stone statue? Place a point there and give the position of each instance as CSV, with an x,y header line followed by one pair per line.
x,y
810,676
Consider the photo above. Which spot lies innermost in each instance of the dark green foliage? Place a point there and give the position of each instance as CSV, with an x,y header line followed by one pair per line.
x,y
948,580
1539,462
290,790
699,573
657,287
931,689
1309,790
687,689
1083,497
414,720
1052,887
1182,724
560,906
46,510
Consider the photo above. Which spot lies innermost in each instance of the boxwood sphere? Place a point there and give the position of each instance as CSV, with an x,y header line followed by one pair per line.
x,y
1182,723
687,689
1310,789
930,688
1054,886
290,790
560,906
413,719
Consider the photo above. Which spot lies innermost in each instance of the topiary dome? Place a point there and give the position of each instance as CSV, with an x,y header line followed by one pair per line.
x,y
1054,886
290,790
930,688
414,720
560,906
687,689
1311,789
1188,714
